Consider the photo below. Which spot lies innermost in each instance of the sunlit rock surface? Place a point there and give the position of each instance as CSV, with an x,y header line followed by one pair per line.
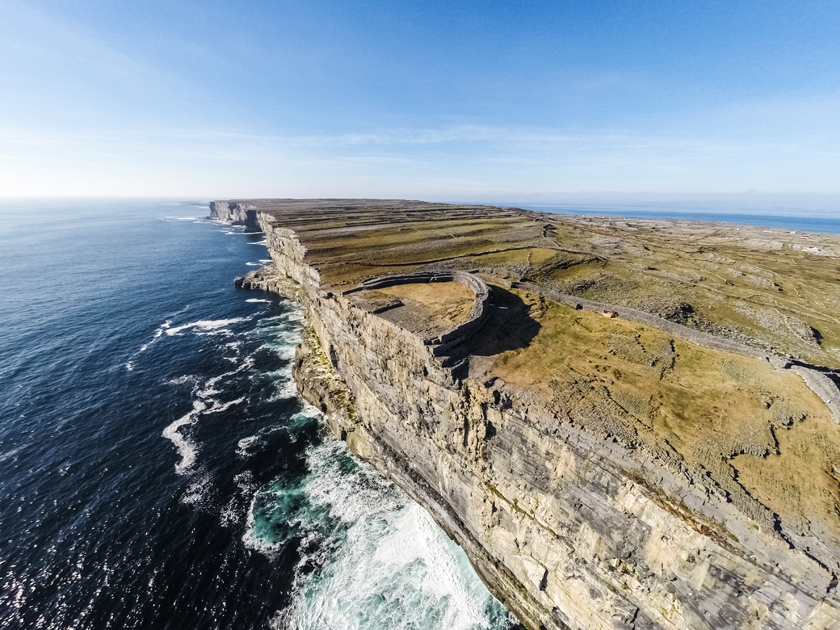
x,y
675,466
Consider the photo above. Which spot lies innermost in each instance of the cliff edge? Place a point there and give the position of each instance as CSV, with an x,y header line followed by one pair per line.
x,y
625,424
235,213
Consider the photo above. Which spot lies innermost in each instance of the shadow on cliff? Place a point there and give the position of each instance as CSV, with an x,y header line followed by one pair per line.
x,y
509,327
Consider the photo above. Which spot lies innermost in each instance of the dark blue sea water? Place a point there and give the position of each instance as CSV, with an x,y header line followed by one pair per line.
x,y
157,469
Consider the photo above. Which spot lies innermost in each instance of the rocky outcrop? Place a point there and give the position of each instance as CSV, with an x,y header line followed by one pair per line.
x,y
569,529
235,213
457,334
822,385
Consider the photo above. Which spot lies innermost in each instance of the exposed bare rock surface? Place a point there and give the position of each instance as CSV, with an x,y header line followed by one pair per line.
x,y
235,213
665,468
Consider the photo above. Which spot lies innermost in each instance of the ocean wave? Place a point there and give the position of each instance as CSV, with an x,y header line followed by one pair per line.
x,y
231,514
203,403
209,388
187,449
258,300
235,345
294,315
208,326
283,347
181,380
246,443
245,482
10,453
129,365
284,390
369,557
198,489
310,411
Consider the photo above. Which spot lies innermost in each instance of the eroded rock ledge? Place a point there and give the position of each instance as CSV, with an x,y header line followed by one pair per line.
x,y
235,213
574,516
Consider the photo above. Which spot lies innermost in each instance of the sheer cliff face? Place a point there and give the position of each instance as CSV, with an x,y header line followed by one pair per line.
x,y
235,213
568,528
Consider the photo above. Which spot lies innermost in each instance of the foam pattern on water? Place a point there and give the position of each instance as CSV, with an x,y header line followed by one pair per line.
x,y
370,558
158,468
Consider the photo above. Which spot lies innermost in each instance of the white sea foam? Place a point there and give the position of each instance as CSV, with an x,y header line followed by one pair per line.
x,y
130,364
233,512
198,489
310,411
284,390
219,407
205,325
287,352
187,378
252,538
234,346
187,449
255,300
283,350
379,559
244,444
229,515
204,403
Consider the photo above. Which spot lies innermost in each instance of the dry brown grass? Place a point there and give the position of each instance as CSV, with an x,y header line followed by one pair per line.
x,y
758,432
426,306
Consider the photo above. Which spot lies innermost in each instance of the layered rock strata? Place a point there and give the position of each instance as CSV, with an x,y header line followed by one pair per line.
x,y
456,334
568,528
235,213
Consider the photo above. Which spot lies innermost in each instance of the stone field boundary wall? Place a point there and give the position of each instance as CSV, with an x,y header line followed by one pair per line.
x,y
458,333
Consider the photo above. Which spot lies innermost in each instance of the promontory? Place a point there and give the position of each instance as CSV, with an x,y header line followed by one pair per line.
x,y
624,423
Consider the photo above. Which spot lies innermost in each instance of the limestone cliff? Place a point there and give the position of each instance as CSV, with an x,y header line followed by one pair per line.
x,y
235,213
568,526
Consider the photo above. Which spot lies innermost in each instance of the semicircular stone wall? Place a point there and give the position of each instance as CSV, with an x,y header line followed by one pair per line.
x,y
456,334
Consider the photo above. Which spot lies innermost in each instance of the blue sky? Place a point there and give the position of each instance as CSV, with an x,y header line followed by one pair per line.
x,y
434,100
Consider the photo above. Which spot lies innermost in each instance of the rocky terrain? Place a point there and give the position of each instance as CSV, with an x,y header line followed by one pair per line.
x,y
633,425
235,213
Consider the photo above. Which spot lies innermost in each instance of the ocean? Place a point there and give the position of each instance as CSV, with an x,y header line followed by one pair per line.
x,y
157,469
787,217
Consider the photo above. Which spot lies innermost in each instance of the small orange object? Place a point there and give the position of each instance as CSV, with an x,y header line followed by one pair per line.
x,y
610,314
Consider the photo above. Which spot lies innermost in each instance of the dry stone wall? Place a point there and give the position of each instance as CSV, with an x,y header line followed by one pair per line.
x,y
821,384
567,529
457,334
